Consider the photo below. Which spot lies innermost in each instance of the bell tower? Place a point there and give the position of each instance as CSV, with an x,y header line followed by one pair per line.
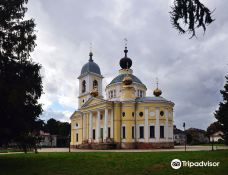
x,y
90,81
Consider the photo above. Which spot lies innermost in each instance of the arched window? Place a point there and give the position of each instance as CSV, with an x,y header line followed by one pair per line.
x,y
83,86
141,93
95,84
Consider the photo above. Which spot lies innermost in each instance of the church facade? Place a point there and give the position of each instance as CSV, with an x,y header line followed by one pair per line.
x,y
125,118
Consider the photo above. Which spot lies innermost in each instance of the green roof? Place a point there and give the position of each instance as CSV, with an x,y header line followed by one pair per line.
x,y
120,78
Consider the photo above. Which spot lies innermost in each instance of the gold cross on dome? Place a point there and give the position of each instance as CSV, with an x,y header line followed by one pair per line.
x,y
157,81
90,46
125,42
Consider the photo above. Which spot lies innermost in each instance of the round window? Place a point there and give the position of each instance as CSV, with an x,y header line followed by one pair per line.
x,y
141,114
161,113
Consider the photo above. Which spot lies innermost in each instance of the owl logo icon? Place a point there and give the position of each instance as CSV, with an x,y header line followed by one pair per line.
x,y
175,164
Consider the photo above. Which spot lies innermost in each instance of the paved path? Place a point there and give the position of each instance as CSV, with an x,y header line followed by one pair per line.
x,y
177,148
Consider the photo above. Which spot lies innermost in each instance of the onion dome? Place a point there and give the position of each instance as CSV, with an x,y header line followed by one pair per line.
x,y
157,92
125,62
90,67
127,80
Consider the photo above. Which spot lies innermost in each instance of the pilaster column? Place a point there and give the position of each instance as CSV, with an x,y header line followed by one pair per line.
x,y
157,127
112,123
166,125
171,129
106,124
91,126
84,126
98,126
146,124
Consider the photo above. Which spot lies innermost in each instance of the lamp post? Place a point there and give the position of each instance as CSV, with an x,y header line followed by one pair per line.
x,y
212,142
69,140
185,137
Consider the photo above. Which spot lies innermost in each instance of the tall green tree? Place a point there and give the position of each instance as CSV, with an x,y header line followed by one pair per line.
x,y
61,129
188,15
52,126
64,129
213,128
222,113
57,128
20,79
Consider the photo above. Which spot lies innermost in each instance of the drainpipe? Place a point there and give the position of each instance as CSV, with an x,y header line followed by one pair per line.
x,y
113,114
120,124
82,128
135,123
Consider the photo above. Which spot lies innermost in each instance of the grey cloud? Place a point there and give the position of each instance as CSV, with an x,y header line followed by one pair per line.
x,y
191,72
58,115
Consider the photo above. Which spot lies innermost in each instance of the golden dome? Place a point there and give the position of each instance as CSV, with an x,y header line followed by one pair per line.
x,y
127,80
157,92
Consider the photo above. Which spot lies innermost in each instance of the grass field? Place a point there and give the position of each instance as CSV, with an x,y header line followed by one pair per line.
x,y
110,163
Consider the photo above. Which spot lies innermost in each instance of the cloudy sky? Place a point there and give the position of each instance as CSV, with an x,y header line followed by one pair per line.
x,y
190,72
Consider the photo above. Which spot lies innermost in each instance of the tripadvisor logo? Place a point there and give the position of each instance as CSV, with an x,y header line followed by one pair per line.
x,y
176,164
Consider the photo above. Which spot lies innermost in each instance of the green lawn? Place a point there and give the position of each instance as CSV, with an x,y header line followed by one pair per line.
x,y
110,163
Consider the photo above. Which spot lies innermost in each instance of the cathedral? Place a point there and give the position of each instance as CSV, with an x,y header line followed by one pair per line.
x,y
125,118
